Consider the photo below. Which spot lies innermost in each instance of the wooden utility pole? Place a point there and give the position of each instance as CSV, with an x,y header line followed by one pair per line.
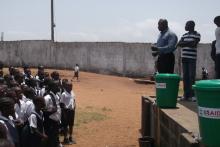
x,y
52,21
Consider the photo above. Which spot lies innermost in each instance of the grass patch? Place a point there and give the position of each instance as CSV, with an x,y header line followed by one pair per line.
x,y
89,114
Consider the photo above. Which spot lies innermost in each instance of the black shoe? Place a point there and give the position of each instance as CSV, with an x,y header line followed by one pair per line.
x,y
71,140
66,141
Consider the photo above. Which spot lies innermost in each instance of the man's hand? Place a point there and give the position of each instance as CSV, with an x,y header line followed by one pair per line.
x,y
154,54
154,48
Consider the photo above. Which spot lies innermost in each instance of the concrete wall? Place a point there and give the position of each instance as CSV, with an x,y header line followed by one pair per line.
x,y
127,59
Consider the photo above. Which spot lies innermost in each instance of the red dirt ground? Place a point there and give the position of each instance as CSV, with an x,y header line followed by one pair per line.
x,y
120,95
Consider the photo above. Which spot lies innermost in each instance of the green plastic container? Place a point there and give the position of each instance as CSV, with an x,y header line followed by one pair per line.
x,y
167,87
208,99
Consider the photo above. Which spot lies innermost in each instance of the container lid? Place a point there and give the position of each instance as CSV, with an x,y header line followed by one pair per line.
x,y
207,85
167,76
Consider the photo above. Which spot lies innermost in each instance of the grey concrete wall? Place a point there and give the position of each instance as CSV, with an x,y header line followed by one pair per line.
x,y
127,59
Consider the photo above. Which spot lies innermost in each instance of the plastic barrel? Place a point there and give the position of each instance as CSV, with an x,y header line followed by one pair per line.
x,y
167,87
208,99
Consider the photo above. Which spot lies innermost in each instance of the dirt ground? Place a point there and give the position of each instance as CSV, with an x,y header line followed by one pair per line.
x,y
108,110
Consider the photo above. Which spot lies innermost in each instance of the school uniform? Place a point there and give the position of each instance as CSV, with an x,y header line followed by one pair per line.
x,y
29,107
30,138
52,121
12,134
76,71
20,111
68,100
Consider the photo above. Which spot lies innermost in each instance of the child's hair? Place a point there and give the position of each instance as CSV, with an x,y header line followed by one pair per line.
x,y
217,21
29,92
25,66
38,100
55,75
5,102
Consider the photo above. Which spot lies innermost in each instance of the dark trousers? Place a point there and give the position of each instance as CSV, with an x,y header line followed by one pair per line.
x,y
165,63
189,74
52,131
68,117
217,66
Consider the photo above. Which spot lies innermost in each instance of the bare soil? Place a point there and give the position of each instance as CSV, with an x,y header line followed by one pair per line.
x,y
116,102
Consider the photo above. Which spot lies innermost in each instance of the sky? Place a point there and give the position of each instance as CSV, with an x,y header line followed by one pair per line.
x,y
105,20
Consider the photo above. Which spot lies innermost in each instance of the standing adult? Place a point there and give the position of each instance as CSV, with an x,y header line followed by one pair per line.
x,y
164,48
217,46
188,43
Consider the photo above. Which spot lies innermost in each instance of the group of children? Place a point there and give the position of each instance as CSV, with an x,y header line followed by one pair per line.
x,y
33,109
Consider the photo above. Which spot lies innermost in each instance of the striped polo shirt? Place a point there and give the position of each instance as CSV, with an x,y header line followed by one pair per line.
x,y
190,52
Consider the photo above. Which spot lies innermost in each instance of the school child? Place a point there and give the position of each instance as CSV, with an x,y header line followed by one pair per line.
x,y
76,72
33,133
27,97
20,110
25,67
52,114
7,110
19,78
68,108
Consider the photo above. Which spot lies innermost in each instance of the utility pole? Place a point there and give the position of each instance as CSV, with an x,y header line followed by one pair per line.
x,y
52,21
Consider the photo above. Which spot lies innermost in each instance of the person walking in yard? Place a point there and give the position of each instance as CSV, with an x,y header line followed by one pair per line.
x,y
76,72
188,44
164,48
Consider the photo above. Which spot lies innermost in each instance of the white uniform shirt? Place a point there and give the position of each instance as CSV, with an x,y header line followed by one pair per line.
x,y
20,110
9,121
49,105
29,107
76,69
33,119
68,99
217,35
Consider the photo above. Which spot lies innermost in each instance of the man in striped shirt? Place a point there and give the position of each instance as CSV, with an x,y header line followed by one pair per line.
x,y
188,43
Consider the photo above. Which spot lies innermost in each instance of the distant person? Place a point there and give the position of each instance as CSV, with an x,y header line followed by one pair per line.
x,y
188,44
76,72
164,48
217,46
204,73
